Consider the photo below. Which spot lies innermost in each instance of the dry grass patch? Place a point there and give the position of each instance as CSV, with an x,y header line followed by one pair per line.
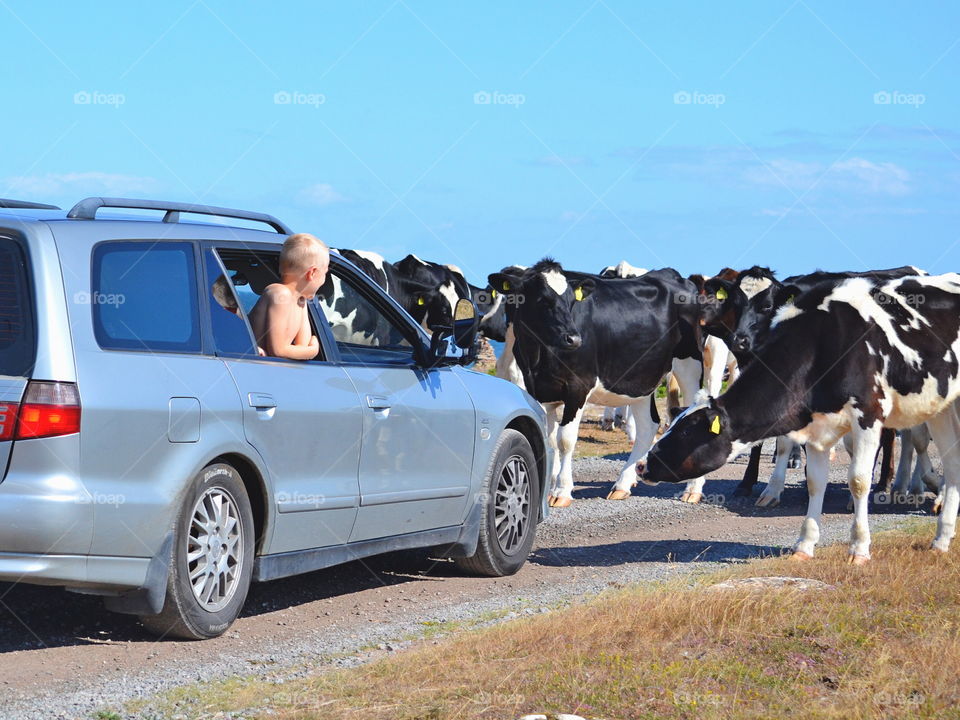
x,y
883,642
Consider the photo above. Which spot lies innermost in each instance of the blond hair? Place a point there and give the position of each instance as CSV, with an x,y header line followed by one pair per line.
x,y
301,252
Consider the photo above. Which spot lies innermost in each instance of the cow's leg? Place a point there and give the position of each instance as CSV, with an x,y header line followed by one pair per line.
x,y
688,373
888,438
733,370
630,425
770,496
866,443
925,477
751,474
905,466
609,419
552,411
673,393
945,430
646,431
566,442
795,457
818,468
507,366
714,363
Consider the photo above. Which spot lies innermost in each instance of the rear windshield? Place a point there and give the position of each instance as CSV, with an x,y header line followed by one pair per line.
x,y
18,345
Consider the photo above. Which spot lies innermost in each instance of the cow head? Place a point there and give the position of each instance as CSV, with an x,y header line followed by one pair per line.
x,y
722,304
753,327
429,305
541,302
697,442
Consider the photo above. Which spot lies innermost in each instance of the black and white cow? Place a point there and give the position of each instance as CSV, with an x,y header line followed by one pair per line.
x,y
580,338
757,296
850,357
425,301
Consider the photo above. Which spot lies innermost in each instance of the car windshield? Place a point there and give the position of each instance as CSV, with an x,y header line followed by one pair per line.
x,y
17,336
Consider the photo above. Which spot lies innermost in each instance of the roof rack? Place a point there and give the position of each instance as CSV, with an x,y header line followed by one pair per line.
x,y
87,208
26,205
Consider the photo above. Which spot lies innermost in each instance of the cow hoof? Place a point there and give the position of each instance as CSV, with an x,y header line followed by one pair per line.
x,y
857,559
937,550
800,556
618,495
768,501
691,497
558,501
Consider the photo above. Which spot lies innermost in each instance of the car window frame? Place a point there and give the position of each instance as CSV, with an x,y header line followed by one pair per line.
x,y
204,338
208,309
382,302
327,344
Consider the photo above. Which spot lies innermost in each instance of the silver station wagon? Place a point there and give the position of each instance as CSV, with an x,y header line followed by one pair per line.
x,y
152,456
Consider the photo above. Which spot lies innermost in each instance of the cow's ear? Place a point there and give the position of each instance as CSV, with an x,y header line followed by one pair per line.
x,y
504,282
786,294
715,424
582,288
699,281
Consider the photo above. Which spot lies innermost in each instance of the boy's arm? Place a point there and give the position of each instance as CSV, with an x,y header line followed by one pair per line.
x,y
275,340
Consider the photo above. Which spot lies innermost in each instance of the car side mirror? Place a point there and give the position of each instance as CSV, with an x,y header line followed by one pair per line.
x,y
463,333
465,323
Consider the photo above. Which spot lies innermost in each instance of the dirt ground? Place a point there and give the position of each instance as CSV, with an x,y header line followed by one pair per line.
x,y
62,652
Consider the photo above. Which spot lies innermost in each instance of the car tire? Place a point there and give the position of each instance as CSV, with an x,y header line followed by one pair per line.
x,y
213,541
509,510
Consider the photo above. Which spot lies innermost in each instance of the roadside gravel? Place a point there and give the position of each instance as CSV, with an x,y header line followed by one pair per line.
x,y
62,656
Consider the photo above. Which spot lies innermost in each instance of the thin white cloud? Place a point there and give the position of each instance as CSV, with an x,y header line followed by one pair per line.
x,y
855,175
79,184
322,194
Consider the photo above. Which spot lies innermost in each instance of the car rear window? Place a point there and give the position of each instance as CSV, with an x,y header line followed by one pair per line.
x,y
144,296
18,345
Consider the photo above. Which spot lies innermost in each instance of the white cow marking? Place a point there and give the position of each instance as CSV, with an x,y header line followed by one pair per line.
x,y
556,281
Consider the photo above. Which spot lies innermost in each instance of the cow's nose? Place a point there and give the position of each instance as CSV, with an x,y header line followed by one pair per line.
x,y
641,467
572,340
741,342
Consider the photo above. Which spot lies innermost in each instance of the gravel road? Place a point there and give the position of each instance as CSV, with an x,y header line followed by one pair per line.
x,y
62,656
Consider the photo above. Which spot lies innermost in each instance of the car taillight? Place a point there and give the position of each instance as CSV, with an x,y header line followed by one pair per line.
x,y
48,409
8,420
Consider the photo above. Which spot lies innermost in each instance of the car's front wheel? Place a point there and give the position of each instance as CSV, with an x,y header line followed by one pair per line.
x,y
212,558
510,507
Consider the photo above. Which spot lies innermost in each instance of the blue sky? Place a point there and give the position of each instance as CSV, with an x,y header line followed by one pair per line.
x,y
790,134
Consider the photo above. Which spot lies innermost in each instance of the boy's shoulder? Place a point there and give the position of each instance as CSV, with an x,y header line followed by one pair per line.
x,y
277,293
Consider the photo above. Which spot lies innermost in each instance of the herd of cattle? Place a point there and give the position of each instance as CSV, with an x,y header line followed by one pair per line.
x,y
813,359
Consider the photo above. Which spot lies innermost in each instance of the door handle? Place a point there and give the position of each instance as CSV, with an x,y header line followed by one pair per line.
x,y
261,401
378,402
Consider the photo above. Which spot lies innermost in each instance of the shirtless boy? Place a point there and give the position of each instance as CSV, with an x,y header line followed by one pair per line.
x,y
279,319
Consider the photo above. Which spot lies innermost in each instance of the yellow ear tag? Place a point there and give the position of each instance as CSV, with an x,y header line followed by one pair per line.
x,y
790,299
715,425
421,301
506,286
722,294
493,293
578,294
